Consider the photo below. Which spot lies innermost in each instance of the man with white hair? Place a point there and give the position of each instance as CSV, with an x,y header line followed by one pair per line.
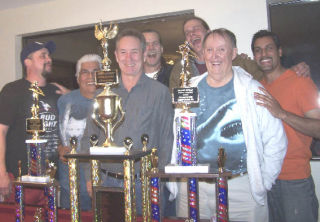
x,y
74,108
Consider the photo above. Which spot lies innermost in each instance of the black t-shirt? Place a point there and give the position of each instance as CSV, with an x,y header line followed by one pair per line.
x,y
15,107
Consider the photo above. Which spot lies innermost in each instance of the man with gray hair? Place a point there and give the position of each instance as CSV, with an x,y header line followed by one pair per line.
x,y
74,108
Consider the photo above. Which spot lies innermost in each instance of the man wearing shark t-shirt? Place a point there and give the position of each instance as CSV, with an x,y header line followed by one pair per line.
x,y
228,116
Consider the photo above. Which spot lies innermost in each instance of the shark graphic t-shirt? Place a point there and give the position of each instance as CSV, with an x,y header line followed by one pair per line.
x,y
219,125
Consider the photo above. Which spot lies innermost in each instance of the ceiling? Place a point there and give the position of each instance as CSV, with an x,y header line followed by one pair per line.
x,y
10,4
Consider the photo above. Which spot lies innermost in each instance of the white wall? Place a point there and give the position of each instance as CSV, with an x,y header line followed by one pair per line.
x,y
242,17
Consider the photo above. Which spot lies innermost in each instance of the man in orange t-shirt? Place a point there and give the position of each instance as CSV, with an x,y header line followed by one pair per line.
x,y
294,100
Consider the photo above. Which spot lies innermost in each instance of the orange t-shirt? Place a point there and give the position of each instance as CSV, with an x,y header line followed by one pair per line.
x,y
297,95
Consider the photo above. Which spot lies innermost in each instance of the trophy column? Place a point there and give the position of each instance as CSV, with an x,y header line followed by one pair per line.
x,y
145,167
74,183
155,188
129,185
222,210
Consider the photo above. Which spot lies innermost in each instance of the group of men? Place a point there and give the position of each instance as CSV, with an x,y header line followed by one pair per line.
x,y
266,132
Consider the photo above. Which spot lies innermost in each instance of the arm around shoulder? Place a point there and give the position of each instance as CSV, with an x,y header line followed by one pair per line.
x,y
274,142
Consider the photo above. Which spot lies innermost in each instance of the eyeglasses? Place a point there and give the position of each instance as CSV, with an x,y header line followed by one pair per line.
x,y
87,72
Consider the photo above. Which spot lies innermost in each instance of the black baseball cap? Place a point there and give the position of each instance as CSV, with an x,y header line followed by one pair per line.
x,y
35,46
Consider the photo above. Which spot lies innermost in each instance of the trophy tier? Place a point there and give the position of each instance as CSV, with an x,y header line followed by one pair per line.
x,y
35,179
36,141
200,168
112,150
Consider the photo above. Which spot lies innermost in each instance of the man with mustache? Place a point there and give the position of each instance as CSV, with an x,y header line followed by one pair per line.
x,y
194,30
15,103
295,101
228,116
155,66
74,108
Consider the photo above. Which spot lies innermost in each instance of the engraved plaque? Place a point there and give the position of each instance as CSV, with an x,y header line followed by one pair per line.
x,y
103,78
188,95
33,125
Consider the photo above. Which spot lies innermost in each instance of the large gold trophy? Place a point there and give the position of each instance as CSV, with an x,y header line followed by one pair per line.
x,y
107,113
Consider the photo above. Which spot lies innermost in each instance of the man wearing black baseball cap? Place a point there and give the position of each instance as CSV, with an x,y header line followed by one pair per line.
x,y
15,103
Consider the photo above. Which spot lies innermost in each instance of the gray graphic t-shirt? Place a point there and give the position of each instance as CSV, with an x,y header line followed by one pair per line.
x,y
219,125
73,112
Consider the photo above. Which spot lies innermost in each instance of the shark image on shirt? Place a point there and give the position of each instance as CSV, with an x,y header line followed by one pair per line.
x,y
71,127
222,129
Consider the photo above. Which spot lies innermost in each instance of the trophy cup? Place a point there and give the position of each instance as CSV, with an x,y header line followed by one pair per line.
x,y
35,146
107,113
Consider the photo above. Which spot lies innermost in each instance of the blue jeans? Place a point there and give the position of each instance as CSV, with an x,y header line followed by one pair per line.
x,y
63,174
293,201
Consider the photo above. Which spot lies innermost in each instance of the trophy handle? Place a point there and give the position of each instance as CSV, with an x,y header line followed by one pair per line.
x,y
118,105
94,117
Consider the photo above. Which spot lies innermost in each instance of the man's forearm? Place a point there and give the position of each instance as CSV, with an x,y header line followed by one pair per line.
x,y
3,133
305,125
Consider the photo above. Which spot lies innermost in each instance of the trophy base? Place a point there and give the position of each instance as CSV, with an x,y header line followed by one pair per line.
x,y
187,169
35,179
116,150
36,141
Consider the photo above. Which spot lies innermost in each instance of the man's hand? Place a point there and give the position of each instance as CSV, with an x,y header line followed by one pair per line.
x,y
244,56
63,150
302,69
5,184
61,89
266,100
89,188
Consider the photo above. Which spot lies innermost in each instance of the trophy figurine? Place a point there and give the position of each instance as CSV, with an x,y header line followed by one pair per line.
x,y
107,109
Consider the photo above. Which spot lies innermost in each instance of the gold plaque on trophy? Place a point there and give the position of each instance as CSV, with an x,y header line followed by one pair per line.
x,y
103,78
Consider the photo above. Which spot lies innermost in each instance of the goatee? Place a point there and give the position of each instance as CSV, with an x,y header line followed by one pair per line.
x,y
45,73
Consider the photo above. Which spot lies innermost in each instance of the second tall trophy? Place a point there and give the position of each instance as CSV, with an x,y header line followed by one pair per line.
x,y
107,111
